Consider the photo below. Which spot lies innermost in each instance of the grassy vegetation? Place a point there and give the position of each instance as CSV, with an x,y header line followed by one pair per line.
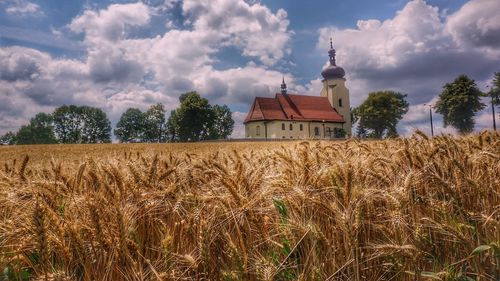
x,y
404,209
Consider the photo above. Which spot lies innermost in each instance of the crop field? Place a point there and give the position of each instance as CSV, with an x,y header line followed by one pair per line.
x,y
402,209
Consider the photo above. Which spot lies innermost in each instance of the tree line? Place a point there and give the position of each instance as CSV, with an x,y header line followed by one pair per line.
x,y
459,102
194,120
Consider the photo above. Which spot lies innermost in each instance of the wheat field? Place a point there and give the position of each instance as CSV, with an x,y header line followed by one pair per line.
x,y
403,209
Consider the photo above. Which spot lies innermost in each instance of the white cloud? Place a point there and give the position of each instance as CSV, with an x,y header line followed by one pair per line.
x,y
477,24
23,8
253,27
121,70
110,24
417,52
239,128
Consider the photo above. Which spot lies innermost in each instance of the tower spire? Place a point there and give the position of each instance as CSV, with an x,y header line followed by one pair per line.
x,y
331,53
332,70
283,86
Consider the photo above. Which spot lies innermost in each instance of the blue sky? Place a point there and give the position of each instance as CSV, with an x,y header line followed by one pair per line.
x,y
120,54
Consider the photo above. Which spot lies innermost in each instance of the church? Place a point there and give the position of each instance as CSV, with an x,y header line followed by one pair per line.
x,y
294,116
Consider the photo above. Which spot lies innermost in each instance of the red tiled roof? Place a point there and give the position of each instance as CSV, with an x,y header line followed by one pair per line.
x,y
293,107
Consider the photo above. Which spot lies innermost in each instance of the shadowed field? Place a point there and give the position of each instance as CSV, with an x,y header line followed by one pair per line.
x,y
404,209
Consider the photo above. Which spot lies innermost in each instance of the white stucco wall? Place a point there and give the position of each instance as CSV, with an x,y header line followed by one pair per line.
x,y
275,129
335,89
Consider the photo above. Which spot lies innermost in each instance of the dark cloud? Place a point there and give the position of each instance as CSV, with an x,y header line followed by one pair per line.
x,y
13,67
423,75
179,84
49,92
248,92
215,88
104,68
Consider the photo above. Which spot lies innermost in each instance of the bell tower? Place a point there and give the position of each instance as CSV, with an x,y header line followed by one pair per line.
x,y
334,88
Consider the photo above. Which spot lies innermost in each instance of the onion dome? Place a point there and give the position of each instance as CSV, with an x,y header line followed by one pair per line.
x,y
332,71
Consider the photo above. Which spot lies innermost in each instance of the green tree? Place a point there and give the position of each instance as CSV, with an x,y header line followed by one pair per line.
x,y
8,138
95,127
130,127
38,131
81,124
154,124
193,120
67,123
196,120
459,102
223,123
380,113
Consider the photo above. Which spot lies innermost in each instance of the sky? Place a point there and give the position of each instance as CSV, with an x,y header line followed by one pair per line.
x,y
120,54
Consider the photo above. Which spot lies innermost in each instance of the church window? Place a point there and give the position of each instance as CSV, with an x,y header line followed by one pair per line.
x,y
291,127
301,127
340,102
316,131
257,131
283,126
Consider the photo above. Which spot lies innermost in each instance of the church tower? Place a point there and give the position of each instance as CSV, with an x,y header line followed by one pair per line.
x,y
334,88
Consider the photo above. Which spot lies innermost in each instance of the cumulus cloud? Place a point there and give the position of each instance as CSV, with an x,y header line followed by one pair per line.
x,y
123,70
477,24
253,27
111,23
415,52
418,51
20,65
23,8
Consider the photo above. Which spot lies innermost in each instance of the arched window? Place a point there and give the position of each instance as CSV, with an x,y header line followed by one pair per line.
x,y
301,126
340,102
316,131
291,127
283,126
257,130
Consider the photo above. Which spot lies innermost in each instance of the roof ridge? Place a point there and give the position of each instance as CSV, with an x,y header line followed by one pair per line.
x,y
281,106
293,108
293,105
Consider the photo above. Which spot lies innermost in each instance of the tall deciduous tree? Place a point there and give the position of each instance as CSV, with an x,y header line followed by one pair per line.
x,y
96,127
130,127
38,131
81,124
380,113
197,120
154,124
193,119
459,102
67,123
223,123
